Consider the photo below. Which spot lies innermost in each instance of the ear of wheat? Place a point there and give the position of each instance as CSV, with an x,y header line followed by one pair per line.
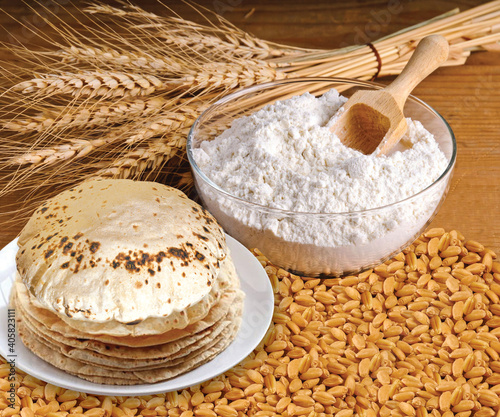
x,y
118,89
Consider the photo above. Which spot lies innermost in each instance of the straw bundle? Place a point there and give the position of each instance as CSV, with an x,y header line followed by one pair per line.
x,y
117,90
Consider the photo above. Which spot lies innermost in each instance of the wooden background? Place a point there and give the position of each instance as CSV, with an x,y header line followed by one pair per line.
x,y
466,96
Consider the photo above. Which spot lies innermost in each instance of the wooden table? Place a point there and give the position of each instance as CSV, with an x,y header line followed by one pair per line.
x,y
467,96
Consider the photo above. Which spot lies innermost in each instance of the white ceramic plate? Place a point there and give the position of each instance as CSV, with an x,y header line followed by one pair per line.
x,y
257,315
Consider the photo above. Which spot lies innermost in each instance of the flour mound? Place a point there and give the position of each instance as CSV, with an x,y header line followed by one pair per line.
x,y
285,156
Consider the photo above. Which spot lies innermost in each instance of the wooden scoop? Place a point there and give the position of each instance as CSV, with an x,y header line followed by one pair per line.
x,y
373,121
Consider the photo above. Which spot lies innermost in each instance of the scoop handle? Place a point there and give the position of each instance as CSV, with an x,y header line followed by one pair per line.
x,y
429,54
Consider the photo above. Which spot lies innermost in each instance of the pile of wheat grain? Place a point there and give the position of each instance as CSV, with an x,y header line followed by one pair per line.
x,y
418,335
116,92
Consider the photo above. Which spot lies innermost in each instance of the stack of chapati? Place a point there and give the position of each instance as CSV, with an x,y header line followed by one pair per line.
x,y
125,282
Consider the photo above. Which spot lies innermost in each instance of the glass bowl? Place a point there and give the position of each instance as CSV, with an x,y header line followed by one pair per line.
x,y
311,252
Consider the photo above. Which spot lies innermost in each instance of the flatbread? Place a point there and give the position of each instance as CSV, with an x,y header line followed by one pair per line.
x,y
115,351
125,282
84,358
93,373
110,362
227,278
52,323
120,252
176,320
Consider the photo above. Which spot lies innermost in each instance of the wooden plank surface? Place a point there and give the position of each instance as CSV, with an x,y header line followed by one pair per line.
x,y
466,96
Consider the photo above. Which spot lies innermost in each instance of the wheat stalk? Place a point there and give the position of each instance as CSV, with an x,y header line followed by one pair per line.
x,y
164,123
167,122
117,59
216,76
92,84
114,84
151,156
187,34
93,115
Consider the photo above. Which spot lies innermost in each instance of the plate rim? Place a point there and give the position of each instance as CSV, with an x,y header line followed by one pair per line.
x,y
236,248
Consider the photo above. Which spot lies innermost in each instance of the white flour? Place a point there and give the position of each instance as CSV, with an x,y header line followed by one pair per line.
x,y
285,156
